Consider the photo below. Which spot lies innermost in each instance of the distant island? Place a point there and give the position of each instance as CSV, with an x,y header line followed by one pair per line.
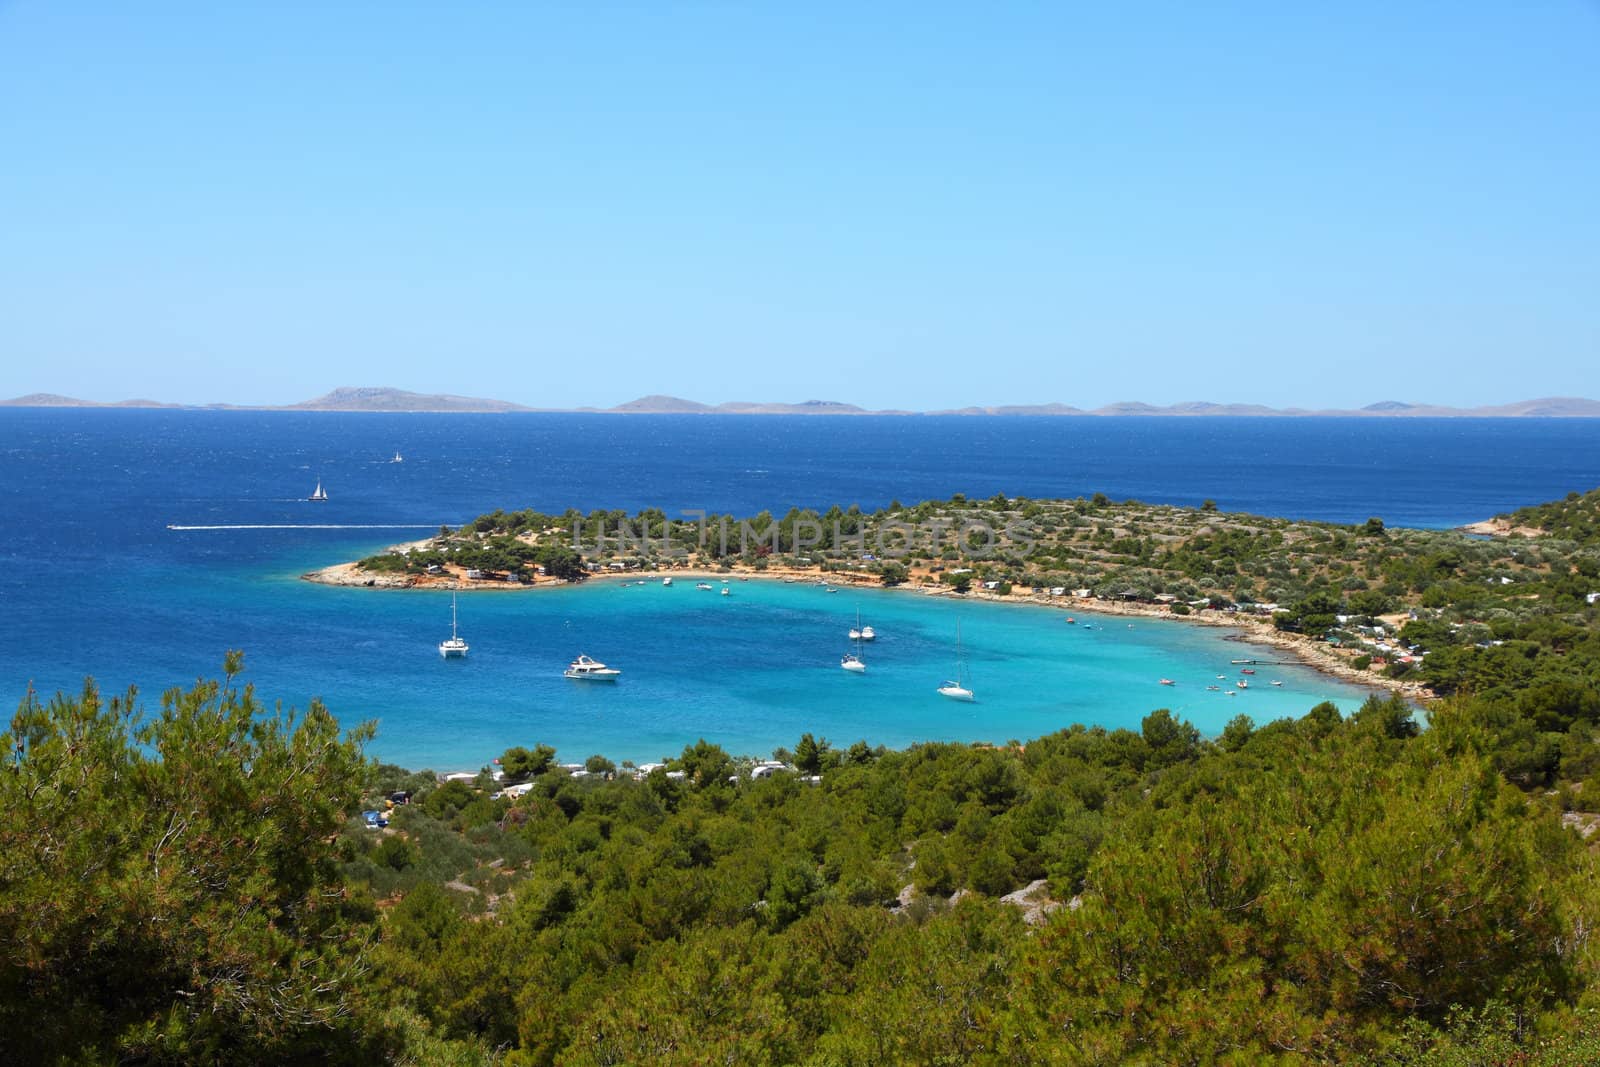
x,y
347,398
380,398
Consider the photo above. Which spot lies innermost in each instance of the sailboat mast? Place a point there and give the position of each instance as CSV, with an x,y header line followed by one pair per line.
x,y
959,662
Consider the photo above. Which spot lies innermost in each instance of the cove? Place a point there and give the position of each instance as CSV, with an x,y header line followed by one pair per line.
x,y
750,671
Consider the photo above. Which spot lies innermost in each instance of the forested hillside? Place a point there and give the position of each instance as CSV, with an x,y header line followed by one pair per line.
x,y
1574,518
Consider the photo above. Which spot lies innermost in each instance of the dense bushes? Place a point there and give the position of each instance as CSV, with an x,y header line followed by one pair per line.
x,y
1320,888
1339,888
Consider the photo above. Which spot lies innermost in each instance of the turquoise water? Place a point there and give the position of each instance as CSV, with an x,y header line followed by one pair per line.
x,y
752,670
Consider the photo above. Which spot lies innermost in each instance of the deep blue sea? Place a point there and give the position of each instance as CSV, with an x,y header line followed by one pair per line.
x,y
95,582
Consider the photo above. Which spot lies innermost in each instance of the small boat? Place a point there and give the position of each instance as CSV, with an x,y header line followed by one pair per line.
x,y
726,591
831,589
958,689
702,585
1233,692
867,634
1242,684
1276,682
1221,676
589,670
1168,681
454,646
1213,688
318,493
667,580
1071,621
852,660
1247,670
398,458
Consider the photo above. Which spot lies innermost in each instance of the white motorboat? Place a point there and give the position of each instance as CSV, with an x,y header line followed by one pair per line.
x,y
667,580
454,646
590,670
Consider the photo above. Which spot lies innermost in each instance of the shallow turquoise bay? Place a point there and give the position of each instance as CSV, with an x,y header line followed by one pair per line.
x,y
752,670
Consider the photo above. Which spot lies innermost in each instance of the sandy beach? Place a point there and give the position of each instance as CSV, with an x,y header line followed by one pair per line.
x,y
1499,528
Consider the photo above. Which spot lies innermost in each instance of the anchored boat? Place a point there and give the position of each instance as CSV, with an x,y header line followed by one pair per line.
x,y
590,670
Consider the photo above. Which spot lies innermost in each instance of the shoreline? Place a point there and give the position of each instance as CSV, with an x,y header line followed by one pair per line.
x,y
1499,528
1247,629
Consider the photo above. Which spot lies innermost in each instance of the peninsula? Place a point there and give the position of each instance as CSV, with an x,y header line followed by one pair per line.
x,y
1411,610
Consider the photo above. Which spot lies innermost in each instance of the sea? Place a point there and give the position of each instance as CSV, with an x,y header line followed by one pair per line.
x,y
139,546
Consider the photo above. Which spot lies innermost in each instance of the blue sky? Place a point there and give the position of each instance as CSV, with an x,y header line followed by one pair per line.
x,y
917,205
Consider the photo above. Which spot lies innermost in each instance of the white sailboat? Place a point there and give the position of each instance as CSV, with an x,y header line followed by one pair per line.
x,y
318,493
851,661
453,647
957,690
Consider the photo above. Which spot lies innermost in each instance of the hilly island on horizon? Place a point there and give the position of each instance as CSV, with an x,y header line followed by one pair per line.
x,y
388,399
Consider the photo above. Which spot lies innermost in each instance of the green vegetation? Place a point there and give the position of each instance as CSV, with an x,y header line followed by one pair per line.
x,y
1124,550
166,886
200,885
1575,518
1307,890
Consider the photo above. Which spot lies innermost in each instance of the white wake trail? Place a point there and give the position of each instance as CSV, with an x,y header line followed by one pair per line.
x,y
310,526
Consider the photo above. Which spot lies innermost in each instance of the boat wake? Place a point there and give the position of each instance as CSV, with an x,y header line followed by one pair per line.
x,y
310,526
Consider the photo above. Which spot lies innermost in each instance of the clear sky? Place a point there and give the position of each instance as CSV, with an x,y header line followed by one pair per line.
x,y
919,205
